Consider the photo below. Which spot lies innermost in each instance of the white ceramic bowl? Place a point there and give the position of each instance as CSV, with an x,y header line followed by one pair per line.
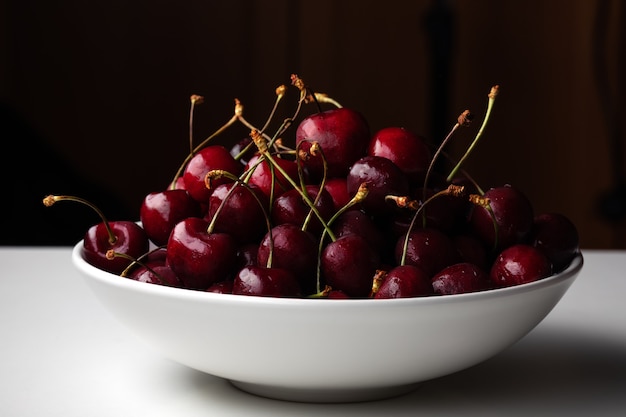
x,y
326,350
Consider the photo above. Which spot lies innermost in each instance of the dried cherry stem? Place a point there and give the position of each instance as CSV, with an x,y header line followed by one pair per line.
x,y
492,97
195,100
111,254
379,277
485,203
454,190
51,199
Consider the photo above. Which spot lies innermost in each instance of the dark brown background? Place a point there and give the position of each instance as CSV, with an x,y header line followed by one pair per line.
x,y
95,97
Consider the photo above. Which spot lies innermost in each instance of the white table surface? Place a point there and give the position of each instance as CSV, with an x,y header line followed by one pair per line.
x,y
63,354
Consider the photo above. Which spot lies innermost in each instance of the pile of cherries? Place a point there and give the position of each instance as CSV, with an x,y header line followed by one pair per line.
x,y
344,213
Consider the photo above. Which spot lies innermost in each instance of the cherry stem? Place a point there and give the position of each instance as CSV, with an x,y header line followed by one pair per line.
x,y
111,254
51,199
262,146
492,97
455,190
485,203
238,182
195,99
314,150
360,195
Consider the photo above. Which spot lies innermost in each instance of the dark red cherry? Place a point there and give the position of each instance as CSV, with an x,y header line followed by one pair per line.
x,y
243,150
556,236
404,148
519,264
290,207
293,249
266,282
404,281
360,223
130,239
221,287
156,274
161,211
342,133
470,249
349,264
338,189
429,249
513,214
270,180
207,159
383,178
200,258
460,278
243,210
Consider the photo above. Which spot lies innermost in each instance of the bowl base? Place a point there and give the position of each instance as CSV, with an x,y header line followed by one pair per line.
x,y
331,395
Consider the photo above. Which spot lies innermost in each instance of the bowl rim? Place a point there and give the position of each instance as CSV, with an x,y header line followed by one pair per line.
x,y
183,293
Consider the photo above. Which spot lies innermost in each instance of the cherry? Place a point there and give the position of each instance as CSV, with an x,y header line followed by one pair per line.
x,y
519,264
156,274
512,212
460,278
342,133
247,255
221,287
404,148
428,248
349,264
267,282
243,150
207,159
200,258
383,178
360,223
228,201
290,207
404,281
124,237
270,180
129,238
555,235
293,249
338,189
160,211
470,249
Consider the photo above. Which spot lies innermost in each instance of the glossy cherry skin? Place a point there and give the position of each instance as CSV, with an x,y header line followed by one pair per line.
x,y
270,180
405,281
429,249
338,189
221,287
156,274
519,264
343,134
349,264
460,278
241,211
556,236
265,282
404,148
161,211
513,213
383,178
208,159
131,240
199,258
293,249
290,207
